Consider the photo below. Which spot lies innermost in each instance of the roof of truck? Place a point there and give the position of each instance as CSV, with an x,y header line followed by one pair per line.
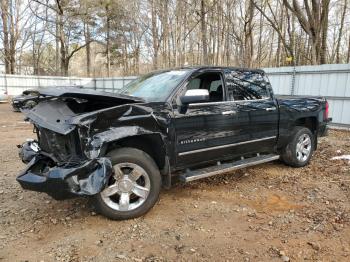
x,y
201,67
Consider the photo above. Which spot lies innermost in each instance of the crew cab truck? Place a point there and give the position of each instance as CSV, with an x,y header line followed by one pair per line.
x,y
163,128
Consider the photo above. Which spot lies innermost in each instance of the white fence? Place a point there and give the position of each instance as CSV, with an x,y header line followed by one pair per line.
x,y
112,84
16,84
330,81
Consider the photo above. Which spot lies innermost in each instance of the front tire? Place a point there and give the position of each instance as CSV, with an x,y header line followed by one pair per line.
x,y
299,150
133,189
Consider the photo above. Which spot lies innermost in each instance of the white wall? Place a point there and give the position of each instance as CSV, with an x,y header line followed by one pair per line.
x,y
331,81
16,84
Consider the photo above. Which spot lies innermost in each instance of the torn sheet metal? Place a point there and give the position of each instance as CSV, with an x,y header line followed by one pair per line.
x,y
113,134
96,181
58,113
74,128
28,150
59,182
87,94
53,115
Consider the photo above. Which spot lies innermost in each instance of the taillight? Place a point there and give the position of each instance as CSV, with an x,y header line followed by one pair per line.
x,y
326,112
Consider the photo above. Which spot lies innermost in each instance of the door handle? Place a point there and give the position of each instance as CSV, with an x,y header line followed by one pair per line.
x,y
270,109
232,112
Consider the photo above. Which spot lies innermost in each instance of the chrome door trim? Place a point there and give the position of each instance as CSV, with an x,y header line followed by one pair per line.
x,y
231,112
224,146
228,101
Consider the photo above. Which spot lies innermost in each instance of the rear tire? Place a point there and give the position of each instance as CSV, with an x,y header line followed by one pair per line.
x,y
298,151
134,188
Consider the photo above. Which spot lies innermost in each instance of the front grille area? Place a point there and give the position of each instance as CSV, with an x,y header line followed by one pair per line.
x,y
64,148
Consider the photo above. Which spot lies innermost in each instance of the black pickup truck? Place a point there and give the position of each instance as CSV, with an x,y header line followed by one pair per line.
x,y
165,127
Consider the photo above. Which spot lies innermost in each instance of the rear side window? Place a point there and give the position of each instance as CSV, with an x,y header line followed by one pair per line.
x,y
246,85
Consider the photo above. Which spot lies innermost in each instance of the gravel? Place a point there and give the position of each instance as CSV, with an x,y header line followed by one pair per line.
x,y
267,213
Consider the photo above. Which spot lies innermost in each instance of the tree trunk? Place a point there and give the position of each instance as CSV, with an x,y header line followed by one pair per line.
x,y
324,32
137,60
248,35
154,35
57,56
13,33
165,24
337,50
108,55
227,41
35,60
66,66
4,17
259,54
88,50
204,34
63,51
278,53
64,70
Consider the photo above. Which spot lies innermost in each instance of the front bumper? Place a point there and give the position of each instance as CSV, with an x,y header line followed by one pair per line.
x,y
89,178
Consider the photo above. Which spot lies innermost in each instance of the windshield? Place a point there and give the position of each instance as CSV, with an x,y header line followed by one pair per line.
x,y
155,87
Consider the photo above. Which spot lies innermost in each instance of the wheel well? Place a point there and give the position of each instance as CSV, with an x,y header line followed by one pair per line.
x,y
309,122
151,144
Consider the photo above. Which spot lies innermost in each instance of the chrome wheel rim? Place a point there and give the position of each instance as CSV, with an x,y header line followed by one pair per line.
x,y
303,147
128,188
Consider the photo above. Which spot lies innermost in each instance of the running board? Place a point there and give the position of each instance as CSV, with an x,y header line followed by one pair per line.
x,y
190,175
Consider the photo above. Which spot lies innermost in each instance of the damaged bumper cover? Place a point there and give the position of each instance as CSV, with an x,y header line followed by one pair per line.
x,y
87,179
74,130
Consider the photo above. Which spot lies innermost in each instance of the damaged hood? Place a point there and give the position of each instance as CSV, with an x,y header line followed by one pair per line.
x,y
87,94
66,108
53,115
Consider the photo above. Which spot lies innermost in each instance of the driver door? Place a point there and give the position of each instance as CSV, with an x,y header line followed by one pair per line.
x,y
209,131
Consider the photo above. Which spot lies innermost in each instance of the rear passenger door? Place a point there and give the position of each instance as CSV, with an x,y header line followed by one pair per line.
x,y
252,94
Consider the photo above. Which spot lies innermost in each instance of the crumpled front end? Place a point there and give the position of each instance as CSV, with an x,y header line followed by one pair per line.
x,y
60,182
73,133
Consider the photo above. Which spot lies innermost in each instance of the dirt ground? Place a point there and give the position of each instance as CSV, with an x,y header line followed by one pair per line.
x,y
267,213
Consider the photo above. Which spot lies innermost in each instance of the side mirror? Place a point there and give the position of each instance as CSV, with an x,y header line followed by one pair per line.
x,y
195,96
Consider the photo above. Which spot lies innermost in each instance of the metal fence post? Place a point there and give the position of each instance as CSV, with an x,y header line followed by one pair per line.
x,y
292,89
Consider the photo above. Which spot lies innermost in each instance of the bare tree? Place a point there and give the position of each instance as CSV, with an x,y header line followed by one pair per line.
x,y
314,21
68,29
14,23
107,37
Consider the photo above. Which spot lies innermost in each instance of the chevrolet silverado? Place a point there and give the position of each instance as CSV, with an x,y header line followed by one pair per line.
x,y
165,127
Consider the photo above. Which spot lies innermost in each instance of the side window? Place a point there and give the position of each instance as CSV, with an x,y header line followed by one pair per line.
x,y
246,85
214,85
212,81
194,83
